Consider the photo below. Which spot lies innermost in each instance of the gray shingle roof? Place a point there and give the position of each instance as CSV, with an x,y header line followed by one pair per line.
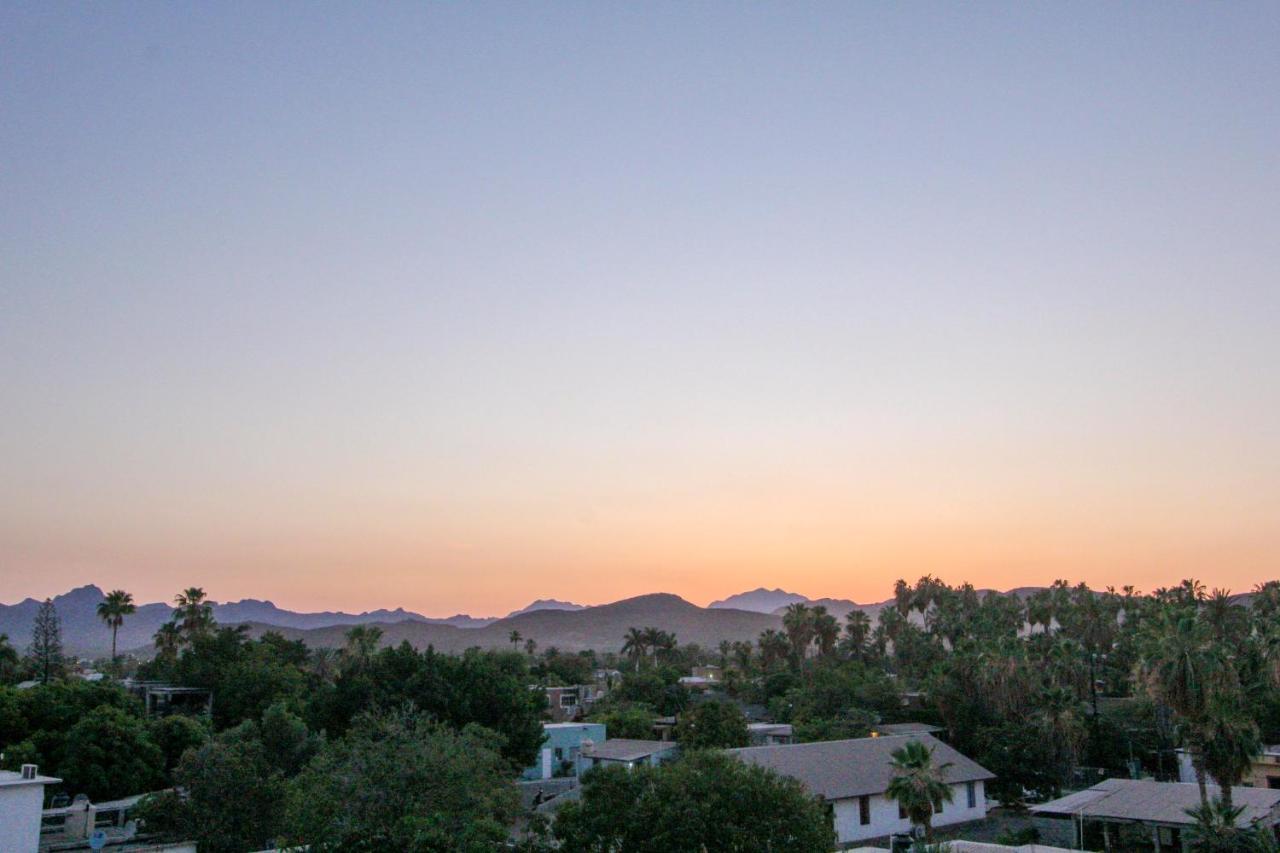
x,y
839,769
622,749
1156,802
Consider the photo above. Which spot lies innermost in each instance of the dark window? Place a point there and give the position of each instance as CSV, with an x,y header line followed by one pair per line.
x,y
971,791
902,812
864,810
1273,782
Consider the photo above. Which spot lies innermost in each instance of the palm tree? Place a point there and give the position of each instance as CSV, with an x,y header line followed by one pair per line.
x,y
797,621
1058,718
1229,620
1230,741
168,638
324,663
193,613
1181,667
515,638
918,784
826,630
773,647
635,644
857,627
112,610
530,646
1217,830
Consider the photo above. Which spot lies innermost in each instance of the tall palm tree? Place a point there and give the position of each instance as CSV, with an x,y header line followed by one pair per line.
x,y
1229,620
773,647
635,645
826,630
918,784
857,627
1181,667
168,638
112,610
530,646
515,639
193,613
797,621
1230,740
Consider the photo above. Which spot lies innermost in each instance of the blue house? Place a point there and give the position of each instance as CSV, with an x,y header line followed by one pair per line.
x,y
561,747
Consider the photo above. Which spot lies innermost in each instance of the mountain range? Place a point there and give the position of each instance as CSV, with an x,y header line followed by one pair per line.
x,y
548,622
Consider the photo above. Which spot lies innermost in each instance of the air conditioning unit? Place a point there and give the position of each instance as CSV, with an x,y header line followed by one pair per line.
x,y
28,771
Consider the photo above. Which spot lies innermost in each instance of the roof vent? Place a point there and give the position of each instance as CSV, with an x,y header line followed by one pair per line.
x,y
28,771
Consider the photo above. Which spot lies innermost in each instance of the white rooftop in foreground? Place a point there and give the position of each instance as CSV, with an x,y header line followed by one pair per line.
x,y
9,777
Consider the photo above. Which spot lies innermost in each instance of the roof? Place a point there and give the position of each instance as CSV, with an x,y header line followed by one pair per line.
x,y
771,728
624,749
905,729
1147,801
570,725
10,778
840,769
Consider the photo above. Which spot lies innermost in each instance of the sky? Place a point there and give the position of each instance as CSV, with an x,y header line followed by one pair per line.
x,y
453,306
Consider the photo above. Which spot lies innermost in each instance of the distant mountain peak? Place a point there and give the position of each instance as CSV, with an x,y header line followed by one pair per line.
x,y
760,600
546,604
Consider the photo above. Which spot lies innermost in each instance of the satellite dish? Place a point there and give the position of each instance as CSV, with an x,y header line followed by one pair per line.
x,y
98,839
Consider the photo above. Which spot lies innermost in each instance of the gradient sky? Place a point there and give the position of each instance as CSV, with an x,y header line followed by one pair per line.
x,y
454,306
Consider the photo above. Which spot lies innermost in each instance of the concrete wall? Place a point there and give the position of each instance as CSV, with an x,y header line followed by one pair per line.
x,y
885,820
20,809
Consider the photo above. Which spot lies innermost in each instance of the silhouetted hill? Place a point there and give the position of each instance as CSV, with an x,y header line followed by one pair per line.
x,y
545,604
759,600
602,627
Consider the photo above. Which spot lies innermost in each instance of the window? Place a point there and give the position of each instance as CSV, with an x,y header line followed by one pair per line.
x,y
937,806
568,700
971,793
902,812
864,810
1273,782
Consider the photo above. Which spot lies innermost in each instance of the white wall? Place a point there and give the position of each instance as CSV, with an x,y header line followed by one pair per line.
x,y
885,820
20,807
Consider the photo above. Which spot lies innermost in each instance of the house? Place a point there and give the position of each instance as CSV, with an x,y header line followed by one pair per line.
x,y
1264,771
562,745
853,775
627,753
570,703
1160,807
769,734
21,801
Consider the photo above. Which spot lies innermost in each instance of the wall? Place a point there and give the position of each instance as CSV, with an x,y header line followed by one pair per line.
x,y
20,807
885,820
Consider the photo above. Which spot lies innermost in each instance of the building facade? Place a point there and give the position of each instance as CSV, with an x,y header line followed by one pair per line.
x,y
562,745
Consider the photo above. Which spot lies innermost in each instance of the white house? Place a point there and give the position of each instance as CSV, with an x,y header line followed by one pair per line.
x,y
853,775
21,802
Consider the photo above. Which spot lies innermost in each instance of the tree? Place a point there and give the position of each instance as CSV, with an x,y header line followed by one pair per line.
x,y
399,782
9,660
712,725
797,621
707,801
1217,830
193,613
635,645
232,799
917,784
826,630
1181,667
530,646
627,721
110,754
515,639
112,610
362,642
168,638
46,642
773,647
857,628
